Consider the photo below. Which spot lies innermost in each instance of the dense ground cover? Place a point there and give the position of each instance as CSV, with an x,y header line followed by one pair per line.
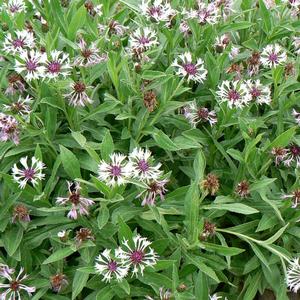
x,y
149,149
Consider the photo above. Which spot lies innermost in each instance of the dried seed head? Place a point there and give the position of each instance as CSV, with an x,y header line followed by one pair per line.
x,y
209,230
21,213
58,282
211,184
84,234
289,70
4,26
65,3
150,100
279,153
242,189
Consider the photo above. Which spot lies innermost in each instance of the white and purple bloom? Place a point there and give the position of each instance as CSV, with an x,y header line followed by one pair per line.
x,y
294,196
15,284
142,165
205,13
14,6
296,44
292,155
80,205
57,65
21,106
155,188
31,64
292,3
193,71
110,266
32,173
9,129
143,39
222,42
184,28
137,255
272,56
234,93
21,40
260,93
293,275
116,171
89,55
195,114
113,27
78,95
296,115
157,10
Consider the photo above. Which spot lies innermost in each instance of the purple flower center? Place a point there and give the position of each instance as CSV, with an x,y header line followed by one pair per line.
x,y
14,8
273,57
54,67
31,65
155,10
144,40
295,150
137,256
143,165
18,43
14,285
255,92
233,95
29,173
115,170
190,69
203,113
75,198
112,266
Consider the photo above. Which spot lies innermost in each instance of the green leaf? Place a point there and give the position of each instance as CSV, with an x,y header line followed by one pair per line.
x,y
234,207
199,166
107,146
77,22
12,239
70,163
283,139
58,255
223,250
79,281
163,141
103,216
201,266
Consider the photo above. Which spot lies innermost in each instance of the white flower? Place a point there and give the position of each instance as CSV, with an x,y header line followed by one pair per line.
x,y
184,28
137,256
294,196
78,95
293,275
235,93
143,38
292,155
32,64
154,188
14,6
9,128
31,173
89,55
296,115
160,10
186,68
21,106
205,14
80,205
116,172
15,285
272,56
215,297
292,3
234,51
62,233
270,3
260,94
110,266
296,44
195,114
114,27
57,64
142,166
222,42
21,40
